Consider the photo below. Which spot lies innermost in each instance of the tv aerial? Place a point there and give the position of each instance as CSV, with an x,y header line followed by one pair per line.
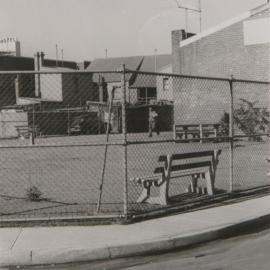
x,y
187,9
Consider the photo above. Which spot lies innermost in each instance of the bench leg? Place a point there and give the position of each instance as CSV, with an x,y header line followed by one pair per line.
x,y
194,182
201,133
162,199
209,183
144,195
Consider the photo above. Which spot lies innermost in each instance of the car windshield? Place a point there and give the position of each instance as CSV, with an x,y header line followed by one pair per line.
x,y
77,121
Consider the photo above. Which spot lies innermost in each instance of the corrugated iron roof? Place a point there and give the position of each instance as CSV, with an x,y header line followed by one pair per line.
x,y
151,63
147,63
113,64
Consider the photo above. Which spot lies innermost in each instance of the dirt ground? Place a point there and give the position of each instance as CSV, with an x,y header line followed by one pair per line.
x,y
68,171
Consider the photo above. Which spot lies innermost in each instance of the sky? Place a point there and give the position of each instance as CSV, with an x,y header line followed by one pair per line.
x,y
84,29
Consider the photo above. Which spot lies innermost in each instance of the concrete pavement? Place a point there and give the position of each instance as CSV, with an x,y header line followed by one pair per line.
x,y
50,245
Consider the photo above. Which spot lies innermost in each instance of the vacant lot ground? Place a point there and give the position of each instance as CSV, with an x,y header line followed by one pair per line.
x,y
68,172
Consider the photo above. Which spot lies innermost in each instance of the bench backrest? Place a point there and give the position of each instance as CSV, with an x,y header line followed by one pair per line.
x,y
210,159
196,126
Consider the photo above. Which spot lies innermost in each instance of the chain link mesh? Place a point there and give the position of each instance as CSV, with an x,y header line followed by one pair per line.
x,y
53,143
192,115
63,151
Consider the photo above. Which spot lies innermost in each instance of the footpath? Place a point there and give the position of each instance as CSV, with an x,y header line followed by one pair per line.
x,y
52,245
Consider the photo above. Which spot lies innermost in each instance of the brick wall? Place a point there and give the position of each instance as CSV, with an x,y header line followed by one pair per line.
x,y
9,121
220,54
224,53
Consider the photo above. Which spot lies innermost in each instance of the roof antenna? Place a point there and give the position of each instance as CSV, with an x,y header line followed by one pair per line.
x,y
56,55
155,60
62,56
187,9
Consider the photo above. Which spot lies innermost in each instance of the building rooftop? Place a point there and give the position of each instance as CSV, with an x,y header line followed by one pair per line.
x,y
148,63
52,63
260,11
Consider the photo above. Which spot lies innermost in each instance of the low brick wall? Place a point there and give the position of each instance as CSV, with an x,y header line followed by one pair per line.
x,y
9,121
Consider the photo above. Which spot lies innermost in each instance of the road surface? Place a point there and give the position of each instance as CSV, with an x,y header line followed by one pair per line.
x,y
245,252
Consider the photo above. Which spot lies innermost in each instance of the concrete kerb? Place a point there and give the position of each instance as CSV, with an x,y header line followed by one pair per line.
x,y
164,244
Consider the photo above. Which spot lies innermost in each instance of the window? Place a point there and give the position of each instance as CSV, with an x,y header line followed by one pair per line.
x,y
165,84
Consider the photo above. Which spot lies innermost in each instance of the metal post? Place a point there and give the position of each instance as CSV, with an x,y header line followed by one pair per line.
x,y
32,133
100,88
155,60
124,132
56,55
231,133
38,75
105,152
17,89
201,132
62,56
68,121
186,20
99,118
200,11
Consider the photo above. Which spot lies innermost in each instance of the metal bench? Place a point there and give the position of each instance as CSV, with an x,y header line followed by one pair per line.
x,y
197,165
25,131
195,130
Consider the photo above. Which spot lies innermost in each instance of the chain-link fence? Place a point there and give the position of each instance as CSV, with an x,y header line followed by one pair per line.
x,y
56,159
117,144
197,126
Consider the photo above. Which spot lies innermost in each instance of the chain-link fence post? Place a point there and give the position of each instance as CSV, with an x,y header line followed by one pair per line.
x,y
68,115
124,132
32,131
231,134
17,88
106,151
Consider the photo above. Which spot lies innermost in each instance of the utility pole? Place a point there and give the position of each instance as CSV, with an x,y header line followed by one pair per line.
x,y
155,60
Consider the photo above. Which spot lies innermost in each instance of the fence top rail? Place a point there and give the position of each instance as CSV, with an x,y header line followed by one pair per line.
x,y
228,79
75,145
195,77
18,72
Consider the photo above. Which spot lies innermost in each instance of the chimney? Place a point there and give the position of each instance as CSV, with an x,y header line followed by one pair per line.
x,y
42,55
177,36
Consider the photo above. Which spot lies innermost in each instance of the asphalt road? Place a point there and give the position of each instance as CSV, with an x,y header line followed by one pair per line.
x,y
245,252
242,253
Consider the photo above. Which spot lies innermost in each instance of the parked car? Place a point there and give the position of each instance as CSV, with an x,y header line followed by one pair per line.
x,y
81,125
